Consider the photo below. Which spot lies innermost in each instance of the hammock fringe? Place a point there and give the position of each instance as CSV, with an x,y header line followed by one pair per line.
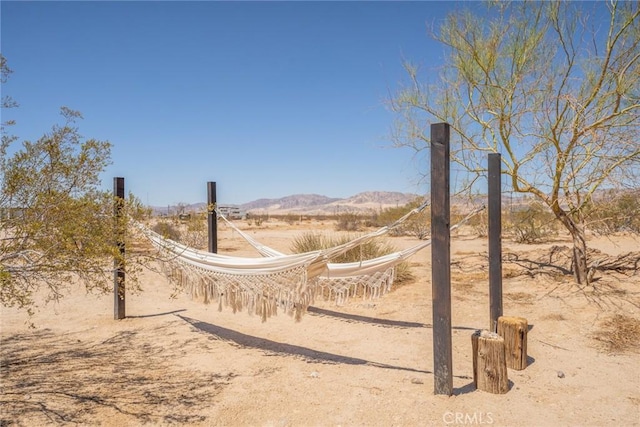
x,y
290,283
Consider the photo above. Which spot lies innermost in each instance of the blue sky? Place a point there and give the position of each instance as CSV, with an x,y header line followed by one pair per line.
x,y
267,99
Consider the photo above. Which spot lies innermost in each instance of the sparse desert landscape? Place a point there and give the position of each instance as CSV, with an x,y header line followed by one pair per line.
x,y
368,362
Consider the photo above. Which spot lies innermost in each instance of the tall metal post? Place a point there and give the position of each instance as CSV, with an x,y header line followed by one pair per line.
x,y
212,218
440,259
118,260
495,240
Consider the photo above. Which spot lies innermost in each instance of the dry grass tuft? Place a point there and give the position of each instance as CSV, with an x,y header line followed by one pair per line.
x,y
312,241
553,316
463,286
619,334
520,297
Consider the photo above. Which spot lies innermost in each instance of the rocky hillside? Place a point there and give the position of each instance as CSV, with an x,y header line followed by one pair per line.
x,y
315,204
311,204
295,202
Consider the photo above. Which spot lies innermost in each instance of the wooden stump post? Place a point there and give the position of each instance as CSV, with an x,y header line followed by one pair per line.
x,y
489,364
514,332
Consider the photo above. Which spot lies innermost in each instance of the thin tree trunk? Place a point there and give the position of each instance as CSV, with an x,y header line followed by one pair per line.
x,y
580,265
579,262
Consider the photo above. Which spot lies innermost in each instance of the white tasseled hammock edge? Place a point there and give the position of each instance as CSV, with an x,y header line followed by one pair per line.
x,y
290,283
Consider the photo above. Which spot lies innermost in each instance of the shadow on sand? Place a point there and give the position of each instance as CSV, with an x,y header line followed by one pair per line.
x,y
284,349
166,313
354,318
57,379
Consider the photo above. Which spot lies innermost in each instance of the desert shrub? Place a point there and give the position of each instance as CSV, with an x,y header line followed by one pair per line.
x,y
309,242
258,219
480,223
312,241
167,230
532,224
389,215
615,214
619,334
196,234
418,225
349,221
291,218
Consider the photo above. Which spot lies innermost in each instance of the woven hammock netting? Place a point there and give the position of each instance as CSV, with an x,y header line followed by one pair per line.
x,y
279,282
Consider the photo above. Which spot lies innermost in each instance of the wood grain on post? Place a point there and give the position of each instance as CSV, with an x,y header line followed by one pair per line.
x,y
489,364
118,261
495,240
212,217
441,258
514,332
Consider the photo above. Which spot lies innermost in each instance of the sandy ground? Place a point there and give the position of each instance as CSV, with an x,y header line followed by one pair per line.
x,y
369,362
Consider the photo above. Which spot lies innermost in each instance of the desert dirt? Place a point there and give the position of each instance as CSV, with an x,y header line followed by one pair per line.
x,y
368,362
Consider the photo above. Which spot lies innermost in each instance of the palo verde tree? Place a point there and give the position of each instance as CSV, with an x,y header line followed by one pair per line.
x,y
56,224
553,86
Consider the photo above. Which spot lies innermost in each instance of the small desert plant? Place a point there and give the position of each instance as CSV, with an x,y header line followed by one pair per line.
x,y
615,214
480,223
532,224
291,218
167,230
349,221
309,242
389,215
418,225
196,234
619,334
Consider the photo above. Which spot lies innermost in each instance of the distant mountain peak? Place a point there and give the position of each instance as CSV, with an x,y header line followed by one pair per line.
x,y
318,204
310,204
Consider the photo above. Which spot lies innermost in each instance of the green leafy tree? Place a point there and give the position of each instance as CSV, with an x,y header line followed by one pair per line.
x,y
552,88
57,225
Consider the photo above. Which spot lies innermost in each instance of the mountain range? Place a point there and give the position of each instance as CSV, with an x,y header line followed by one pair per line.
x,y
312,204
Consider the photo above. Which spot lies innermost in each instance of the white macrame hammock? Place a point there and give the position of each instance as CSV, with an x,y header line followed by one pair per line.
x,y
370,278
279,281
259,285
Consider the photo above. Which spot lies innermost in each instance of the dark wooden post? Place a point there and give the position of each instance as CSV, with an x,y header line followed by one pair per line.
x,y
440,259
118,260
212,218
495,241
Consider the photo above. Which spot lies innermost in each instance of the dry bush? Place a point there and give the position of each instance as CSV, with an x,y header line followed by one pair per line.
x,y
196,233
533,224
291,218
167,230
521,297
418,225
615,213
349,221
553,316
480,223
389,215
619,334
257,219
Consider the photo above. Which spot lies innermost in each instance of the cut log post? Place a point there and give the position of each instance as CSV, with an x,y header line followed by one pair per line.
x,y
514,332
489,364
